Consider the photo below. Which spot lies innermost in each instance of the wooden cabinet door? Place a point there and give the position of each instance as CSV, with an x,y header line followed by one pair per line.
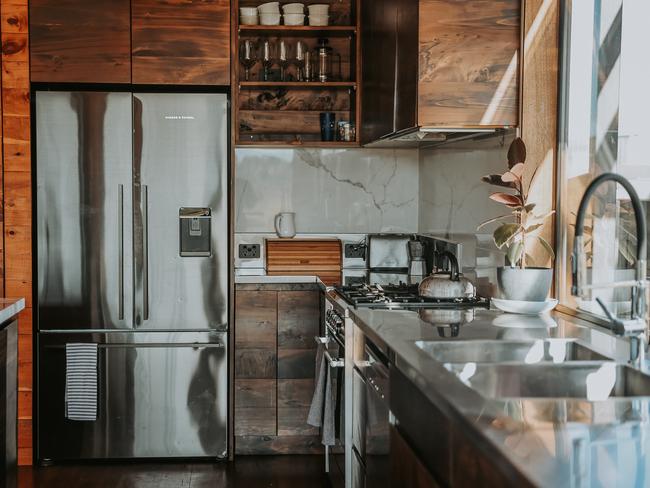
x,y
406,469
181,42
83,41
379,25
255,362
469,55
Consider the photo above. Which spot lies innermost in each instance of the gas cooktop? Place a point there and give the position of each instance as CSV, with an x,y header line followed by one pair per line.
x,y
401,295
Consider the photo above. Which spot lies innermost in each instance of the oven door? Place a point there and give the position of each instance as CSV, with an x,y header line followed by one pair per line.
x,y
335,357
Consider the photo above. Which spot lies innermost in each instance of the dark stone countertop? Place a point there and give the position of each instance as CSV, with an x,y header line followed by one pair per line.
x,y
560,442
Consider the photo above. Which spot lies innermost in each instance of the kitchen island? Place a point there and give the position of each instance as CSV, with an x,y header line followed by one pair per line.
x,y
9,308
471,427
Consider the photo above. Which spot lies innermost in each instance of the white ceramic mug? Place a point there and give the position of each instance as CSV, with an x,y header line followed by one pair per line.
x,y
285,224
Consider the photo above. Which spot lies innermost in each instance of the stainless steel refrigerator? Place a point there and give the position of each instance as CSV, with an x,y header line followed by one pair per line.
x,y
132,244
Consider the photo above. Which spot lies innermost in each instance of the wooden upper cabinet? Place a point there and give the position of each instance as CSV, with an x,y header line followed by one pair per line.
x,y
468,68
446,64
181,42
83,41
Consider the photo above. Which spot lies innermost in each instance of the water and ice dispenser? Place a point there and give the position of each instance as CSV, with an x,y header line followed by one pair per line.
x,y
195,231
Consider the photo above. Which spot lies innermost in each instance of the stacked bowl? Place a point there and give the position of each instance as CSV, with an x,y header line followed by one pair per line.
x,y
270,13
294,14
319,14
248,16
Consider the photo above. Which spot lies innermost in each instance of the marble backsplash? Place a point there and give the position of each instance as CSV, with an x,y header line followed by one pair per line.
x,y
453,201
330,190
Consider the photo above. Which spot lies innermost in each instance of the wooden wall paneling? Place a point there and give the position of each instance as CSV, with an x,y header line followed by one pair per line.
x,y
83,41
468,63
181,42
17,277
539,108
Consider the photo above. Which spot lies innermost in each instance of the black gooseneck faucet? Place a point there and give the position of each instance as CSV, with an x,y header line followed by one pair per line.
x,y
637,325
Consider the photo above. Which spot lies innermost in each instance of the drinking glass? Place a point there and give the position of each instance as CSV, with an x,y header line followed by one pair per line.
x,y
268,57
299,60
247,56
284,57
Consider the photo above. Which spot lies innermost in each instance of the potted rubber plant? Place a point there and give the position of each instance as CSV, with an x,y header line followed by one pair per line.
x,y
518,230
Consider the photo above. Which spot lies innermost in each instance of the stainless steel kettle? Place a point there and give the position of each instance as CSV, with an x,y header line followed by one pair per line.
x,y
447,284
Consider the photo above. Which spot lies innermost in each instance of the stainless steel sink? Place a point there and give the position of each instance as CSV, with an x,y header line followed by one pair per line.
x,y
529,352
593,381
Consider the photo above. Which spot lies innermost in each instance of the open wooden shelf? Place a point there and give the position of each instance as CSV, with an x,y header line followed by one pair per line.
x,y
298,84
295,144
302,30
286,114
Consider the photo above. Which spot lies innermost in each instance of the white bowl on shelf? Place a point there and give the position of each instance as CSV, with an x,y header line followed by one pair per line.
x,y
294,19
269,8
319,20
319,9
270,19
248,11
249,20
294,8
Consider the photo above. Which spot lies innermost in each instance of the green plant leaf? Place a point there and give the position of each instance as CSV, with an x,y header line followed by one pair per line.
x,y
506,199
516,152
532,228
529,208
537,219
496,180
546,246
495,219
504,234
514,253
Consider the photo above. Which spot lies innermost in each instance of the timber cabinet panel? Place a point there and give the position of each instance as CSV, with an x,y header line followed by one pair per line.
x,y
468,68
406,469
181,42
85,41
275,355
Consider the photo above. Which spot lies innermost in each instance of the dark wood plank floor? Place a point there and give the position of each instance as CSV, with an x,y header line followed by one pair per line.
x,y
246,471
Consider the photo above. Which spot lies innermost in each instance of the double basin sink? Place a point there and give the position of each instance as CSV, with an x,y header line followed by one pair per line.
x,y
544,368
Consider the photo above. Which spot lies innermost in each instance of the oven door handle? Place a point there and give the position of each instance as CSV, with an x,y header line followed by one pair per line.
x,y
334,363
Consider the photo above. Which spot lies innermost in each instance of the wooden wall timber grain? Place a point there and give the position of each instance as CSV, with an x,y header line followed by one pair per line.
x,y
539,106
17,251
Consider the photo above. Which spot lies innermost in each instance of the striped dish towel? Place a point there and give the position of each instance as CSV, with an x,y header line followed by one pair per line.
x,y
81,381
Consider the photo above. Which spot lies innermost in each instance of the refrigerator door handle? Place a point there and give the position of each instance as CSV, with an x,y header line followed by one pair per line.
x,y
120,246
145,252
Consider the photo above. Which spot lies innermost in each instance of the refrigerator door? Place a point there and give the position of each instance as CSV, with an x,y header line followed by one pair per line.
x,y
83,212
180,167
159,396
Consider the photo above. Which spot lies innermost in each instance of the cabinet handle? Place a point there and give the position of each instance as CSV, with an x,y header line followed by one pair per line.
x,y
145,252
120,246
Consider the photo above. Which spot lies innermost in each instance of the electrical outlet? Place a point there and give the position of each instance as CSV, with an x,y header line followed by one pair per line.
x,y
249,251
355,251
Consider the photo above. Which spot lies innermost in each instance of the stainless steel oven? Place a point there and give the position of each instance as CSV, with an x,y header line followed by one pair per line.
x,y
333,336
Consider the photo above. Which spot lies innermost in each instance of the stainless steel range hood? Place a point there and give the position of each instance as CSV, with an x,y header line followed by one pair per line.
x,y
422,137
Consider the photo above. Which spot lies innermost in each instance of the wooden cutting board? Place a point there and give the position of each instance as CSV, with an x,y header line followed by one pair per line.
x,y
294,257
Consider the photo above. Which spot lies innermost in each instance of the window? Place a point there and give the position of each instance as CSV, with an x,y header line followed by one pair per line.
x,y
604,127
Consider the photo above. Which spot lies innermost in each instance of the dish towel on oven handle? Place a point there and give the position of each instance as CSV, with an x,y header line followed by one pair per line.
x,y
81,381
321,412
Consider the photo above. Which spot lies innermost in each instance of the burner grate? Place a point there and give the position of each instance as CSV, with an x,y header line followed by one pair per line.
x,y
401,295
